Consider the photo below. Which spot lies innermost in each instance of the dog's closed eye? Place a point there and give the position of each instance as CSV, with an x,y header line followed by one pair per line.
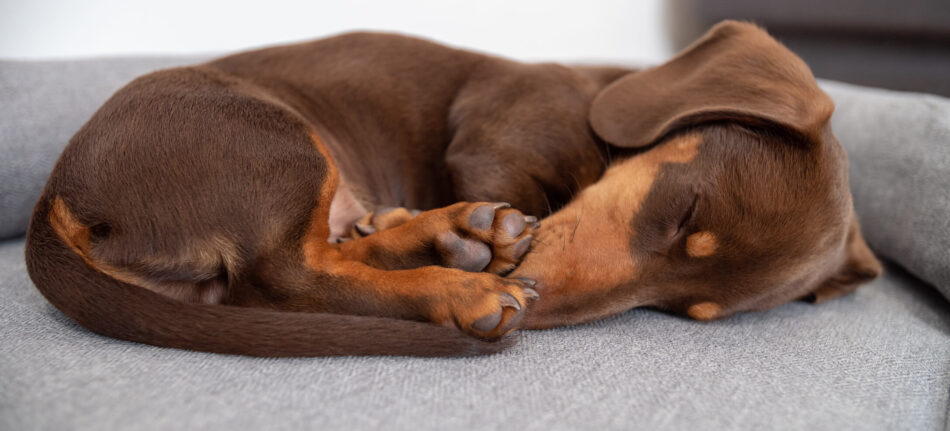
x,y
662,227
686,217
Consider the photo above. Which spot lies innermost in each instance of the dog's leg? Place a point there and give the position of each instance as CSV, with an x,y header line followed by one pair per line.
x,y
336,278
524,139
473,237
393,273
439,238
372,276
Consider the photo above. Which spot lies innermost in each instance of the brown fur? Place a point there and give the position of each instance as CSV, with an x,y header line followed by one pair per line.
x,y
202,207
196,189
757,214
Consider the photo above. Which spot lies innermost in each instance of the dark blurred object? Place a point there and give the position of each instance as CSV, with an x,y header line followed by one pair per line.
x,y
897,44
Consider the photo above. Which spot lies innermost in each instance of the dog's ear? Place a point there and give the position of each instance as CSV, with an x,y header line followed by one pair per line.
x,y
859,266
735,72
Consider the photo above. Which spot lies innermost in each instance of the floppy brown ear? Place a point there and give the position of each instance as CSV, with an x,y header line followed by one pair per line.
x,y
735,72
859,266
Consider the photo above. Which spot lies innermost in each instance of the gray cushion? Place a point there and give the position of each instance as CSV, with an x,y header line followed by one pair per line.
x,y
42,104
877,359
898,145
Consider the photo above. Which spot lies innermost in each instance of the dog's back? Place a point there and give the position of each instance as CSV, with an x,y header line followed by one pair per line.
x,y
168,188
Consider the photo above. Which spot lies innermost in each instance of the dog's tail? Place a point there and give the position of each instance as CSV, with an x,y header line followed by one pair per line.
x,y
110,307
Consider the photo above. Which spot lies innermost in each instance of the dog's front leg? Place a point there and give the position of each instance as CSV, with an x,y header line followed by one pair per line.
x,y
474,237
395,273
481,304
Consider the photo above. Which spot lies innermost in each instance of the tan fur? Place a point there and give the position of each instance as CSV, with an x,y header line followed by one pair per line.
x,y
76,235
704,311
72,232
319,229
590,231
701,244
754,217
221,192
200,189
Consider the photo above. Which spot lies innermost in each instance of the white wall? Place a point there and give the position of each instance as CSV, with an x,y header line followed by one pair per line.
x,y
609,30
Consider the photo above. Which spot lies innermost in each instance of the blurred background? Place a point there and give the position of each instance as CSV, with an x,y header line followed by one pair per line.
x,y
610,30
898,44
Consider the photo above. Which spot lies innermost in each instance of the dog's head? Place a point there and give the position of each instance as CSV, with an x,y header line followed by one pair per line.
x,y
737,198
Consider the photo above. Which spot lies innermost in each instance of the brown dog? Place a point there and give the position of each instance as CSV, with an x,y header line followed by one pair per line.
x,y
232,183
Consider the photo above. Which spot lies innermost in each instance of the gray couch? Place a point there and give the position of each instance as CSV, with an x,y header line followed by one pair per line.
x,y
877,359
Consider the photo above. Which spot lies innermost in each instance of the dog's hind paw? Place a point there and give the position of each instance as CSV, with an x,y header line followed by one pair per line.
x,y
381,219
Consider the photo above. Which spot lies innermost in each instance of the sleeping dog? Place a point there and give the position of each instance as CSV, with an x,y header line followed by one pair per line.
x,y
256,204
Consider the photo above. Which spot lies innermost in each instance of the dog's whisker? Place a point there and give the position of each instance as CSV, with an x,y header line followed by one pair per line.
x,y
547,202
540,242
576,225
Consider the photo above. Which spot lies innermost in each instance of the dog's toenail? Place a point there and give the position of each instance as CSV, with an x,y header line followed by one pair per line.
x,y
513,321
527,281
514,224
532,221
487,323
521,247
506,300
531,294
365,229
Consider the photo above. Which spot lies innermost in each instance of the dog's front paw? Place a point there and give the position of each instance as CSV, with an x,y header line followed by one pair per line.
x,y
474,237
490,237
484,305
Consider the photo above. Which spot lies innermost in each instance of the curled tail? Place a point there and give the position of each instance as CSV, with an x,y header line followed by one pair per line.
x,y
115,309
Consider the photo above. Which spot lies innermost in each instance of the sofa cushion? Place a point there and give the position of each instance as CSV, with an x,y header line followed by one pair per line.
x,y
877,359
898,146
42,104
